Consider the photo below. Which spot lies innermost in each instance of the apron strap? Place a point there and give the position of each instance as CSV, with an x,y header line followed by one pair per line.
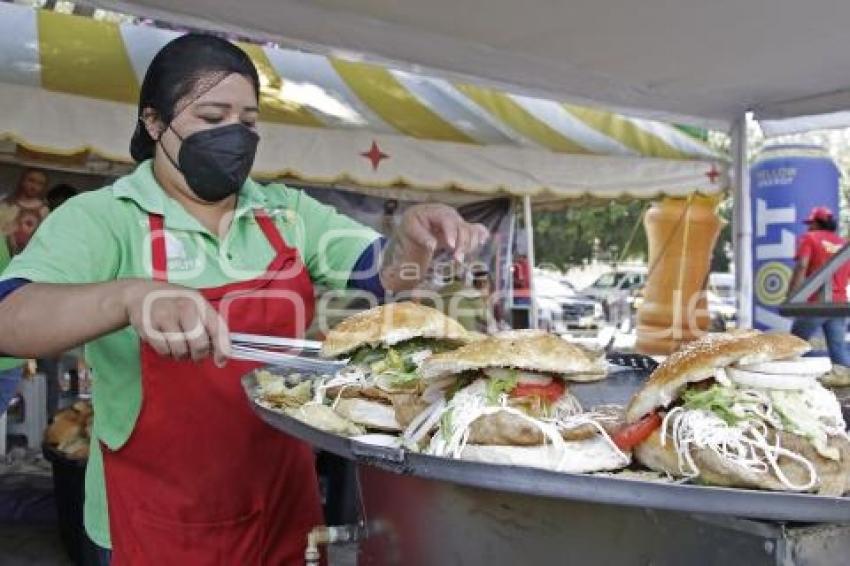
x,y
270,230
159,258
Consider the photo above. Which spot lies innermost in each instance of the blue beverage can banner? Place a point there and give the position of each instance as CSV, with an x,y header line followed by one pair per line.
x,y
786,182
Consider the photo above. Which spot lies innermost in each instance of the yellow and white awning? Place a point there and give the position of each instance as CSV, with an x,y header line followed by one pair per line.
x,y
70,84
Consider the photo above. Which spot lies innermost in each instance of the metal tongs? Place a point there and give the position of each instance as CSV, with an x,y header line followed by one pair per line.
x,y
296,354
631,360
288,353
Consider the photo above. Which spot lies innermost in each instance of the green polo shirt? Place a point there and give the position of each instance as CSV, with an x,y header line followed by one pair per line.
x,y
103,235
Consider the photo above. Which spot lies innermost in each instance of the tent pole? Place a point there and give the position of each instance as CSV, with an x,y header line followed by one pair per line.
x,y
742,224
529,253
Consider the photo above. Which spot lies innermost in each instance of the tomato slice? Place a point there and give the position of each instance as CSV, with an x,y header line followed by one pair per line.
x,y
633,434
548,393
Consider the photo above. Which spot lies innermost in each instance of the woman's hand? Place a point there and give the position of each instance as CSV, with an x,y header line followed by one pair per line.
x,y
424,229
176,321
433,226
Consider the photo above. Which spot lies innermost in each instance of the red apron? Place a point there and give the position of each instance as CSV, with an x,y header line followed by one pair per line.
x,y
202,480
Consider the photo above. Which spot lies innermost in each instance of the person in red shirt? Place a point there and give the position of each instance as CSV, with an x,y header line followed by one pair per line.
x,y
522,279
816,247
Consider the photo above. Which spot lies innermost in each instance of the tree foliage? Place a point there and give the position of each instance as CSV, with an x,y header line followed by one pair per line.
x,y
610,232
570,237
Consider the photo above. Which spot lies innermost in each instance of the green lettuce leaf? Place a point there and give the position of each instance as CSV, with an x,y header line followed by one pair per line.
x,y
395,364
800,417
497,386
446,425
716,399
367,356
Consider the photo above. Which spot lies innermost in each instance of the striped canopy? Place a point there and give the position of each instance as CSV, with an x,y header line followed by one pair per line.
x,y
70,84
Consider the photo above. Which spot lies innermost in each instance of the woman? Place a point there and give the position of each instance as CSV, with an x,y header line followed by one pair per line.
x,y
32,207
152,273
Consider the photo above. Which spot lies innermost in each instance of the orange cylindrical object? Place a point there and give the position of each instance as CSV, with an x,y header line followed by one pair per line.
x,y
681,233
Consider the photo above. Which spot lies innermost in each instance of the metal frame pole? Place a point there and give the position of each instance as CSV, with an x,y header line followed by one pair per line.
x,y
742,223
529,253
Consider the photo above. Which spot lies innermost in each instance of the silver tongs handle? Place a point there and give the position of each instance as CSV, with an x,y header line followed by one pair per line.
x,y
287,353
276,342
286,361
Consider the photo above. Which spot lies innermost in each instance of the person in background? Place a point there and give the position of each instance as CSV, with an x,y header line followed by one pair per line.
x,y
30,189
15,212
522,279
29,197
11,369
816,247
59,194
32,207
521,300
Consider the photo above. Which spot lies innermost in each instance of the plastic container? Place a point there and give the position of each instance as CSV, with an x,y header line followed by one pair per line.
x,y
681,233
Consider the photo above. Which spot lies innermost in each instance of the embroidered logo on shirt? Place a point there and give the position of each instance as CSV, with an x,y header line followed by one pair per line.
x,y
178,259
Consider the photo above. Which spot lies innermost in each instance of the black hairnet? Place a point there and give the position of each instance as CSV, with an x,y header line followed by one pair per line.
x,y
188,65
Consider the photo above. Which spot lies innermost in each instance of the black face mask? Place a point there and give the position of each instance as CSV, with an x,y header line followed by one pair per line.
x,y
216,162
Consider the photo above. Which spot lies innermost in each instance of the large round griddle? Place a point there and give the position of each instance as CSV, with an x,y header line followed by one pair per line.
x,y
617,388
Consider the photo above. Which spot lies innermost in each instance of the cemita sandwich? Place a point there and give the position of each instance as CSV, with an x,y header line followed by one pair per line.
x,y
380,387
505,400
743,410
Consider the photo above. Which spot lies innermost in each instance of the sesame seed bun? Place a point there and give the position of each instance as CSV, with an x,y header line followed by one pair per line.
x,y
531,350
698,360
390,324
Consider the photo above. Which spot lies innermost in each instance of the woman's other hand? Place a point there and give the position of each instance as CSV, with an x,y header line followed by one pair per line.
x,y
424,229
433,226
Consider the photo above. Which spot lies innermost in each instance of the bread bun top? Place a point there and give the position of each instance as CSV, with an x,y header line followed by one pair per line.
x,y
390,324
698,360
525,350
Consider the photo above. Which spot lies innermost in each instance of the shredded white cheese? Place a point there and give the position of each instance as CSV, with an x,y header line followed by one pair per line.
x,y
422,424
350,376
743,445
470,403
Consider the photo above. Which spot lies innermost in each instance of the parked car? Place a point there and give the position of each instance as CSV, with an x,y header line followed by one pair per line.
x,y
615,291
561,309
